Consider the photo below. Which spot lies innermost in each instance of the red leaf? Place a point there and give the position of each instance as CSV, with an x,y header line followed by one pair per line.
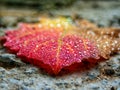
x,y
56,44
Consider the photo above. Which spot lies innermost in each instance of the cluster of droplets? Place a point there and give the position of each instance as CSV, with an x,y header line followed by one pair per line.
x,y
61,23
106,39
108,45
75,49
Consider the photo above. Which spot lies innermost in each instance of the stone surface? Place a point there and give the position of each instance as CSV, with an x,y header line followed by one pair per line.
x,y
104,76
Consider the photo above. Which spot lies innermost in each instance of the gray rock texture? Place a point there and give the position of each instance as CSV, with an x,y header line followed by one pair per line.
x,y
16,75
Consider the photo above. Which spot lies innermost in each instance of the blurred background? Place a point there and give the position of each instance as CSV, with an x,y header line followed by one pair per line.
x,y
102,12
21,76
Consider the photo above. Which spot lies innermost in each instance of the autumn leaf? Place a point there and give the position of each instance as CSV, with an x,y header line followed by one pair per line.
x,y
54,44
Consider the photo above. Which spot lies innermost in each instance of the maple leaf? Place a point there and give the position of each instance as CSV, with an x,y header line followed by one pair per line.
x,y
54,44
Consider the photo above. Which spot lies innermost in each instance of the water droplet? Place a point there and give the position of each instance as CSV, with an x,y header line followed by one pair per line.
x,y
80,41
115,41
58,25
37,46
112,49
68,52
75,46
75,54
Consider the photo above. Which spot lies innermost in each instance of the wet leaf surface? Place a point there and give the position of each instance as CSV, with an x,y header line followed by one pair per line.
x,y
59,43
